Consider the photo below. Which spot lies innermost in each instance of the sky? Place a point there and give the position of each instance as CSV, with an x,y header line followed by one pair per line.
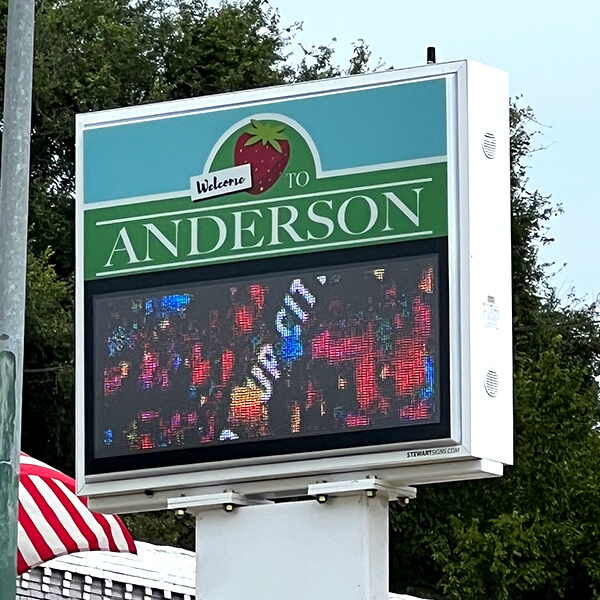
x,y
551,51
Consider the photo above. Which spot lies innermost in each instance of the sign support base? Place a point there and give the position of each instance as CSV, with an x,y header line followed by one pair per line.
x,y
331,544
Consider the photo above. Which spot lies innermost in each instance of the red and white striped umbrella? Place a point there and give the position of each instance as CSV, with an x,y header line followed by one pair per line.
x,y
54,521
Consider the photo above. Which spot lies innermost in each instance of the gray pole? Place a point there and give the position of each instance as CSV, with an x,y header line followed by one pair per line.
x,y
14,201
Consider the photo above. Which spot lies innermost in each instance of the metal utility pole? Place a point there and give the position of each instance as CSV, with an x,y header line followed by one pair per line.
x,y
14,202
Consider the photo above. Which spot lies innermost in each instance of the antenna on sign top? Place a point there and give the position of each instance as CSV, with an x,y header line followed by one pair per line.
x,y
431,55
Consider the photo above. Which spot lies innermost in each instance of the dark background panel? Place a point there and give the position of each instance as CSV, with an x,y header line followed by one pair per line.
x,y
214,281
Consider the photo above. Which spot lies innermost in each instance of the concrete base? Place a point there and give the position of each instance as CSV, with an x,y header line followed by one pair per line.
x,y
295,551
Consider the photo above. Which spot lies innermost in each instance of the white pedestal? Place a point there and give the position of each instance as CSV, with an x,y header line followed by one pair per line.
x,y
295,551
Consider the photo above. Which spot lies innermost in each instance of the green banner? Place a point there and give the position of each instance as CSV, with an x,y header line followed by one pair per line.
x,y
262,195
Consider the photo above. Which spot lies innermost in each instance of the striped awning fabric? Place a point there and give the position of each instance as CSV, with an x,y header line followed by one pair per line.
x,y
54,521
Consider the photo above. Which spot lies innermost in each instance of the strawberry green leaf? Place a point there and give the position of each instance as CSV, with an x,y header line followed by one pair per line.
x,y
253,140
267,133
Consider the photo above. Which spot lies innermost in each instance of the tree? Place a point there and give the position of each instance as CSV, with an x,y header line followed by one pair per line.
x,y
101,55
521,535
533,533
48,407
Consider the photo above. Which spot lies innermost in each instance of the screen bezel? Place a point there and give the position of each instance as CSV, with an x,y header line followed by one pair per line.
x,y
258,448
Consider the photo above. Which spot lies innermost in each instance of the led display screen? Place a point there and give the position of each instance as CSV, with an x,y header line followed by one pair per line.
x,y
238,362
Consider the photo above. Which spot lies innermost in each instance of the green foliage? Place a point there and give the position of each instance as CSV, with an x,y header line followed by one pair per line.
x,y
534,533
48,412
530,214
510,551
317,63
207,51
163,527
538,539
100,55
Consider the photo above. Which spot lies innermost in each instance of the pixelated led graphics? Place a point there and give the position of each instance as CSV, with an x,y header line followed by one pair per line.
x,y
268,357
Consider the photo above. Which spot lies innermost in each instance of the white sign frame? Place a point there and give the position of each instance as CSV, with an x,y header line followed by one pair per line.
x,y
480,285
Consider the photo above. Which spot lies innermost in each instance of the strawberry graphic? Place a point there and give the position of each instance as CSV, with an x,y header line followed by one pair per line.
x,y
266,149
